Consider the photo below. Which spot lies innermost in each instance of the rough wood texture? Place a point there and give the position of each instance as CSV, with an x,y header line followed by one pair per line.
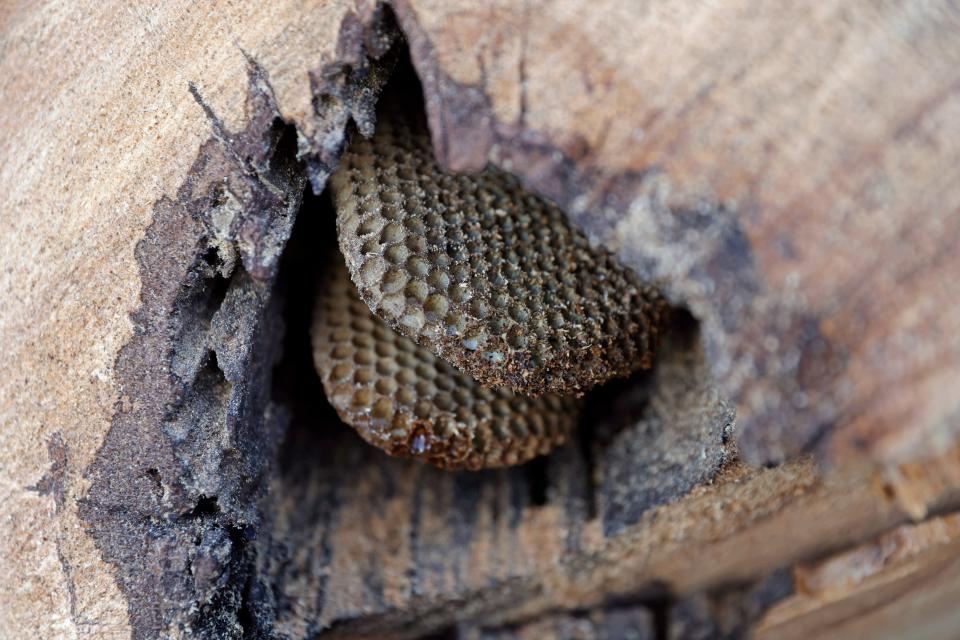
x,y
616,623
766,165
903,583
439,547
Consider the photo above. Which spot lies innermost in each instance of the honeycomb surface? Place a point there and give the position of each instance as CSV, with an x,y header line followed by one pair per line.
x,y
483,273
400,397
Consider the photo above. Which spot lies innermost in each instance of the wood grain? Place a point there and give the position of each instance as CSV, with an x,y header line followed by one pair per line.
x,y
788,173
901,583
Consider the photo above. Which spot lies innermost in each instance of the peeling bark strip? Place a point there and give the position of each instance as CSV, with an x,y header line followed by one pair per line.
x,y
347,90
52,482
173,489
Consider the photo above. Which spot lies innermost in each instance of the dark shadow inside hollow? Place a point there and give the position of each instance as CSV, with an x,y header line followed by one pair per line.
x,y
356,542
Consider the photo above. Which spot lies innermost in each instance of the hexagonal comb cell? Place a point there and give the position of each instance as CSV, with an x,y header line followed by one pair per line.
x,y
403,399
483,273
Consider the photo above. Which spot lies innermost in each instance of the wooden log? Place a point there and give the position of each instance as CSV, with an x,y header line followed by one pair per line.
x,y
765,166
902,583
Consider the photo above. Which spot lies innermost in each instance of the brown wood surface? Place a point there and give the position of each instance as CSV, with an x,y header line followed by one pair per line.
x,y
788,173
902,584
435,551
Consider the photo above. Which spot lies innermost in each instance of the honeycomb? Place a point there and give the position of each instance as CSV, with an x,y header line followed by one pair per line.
x,y
483,273
401,398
